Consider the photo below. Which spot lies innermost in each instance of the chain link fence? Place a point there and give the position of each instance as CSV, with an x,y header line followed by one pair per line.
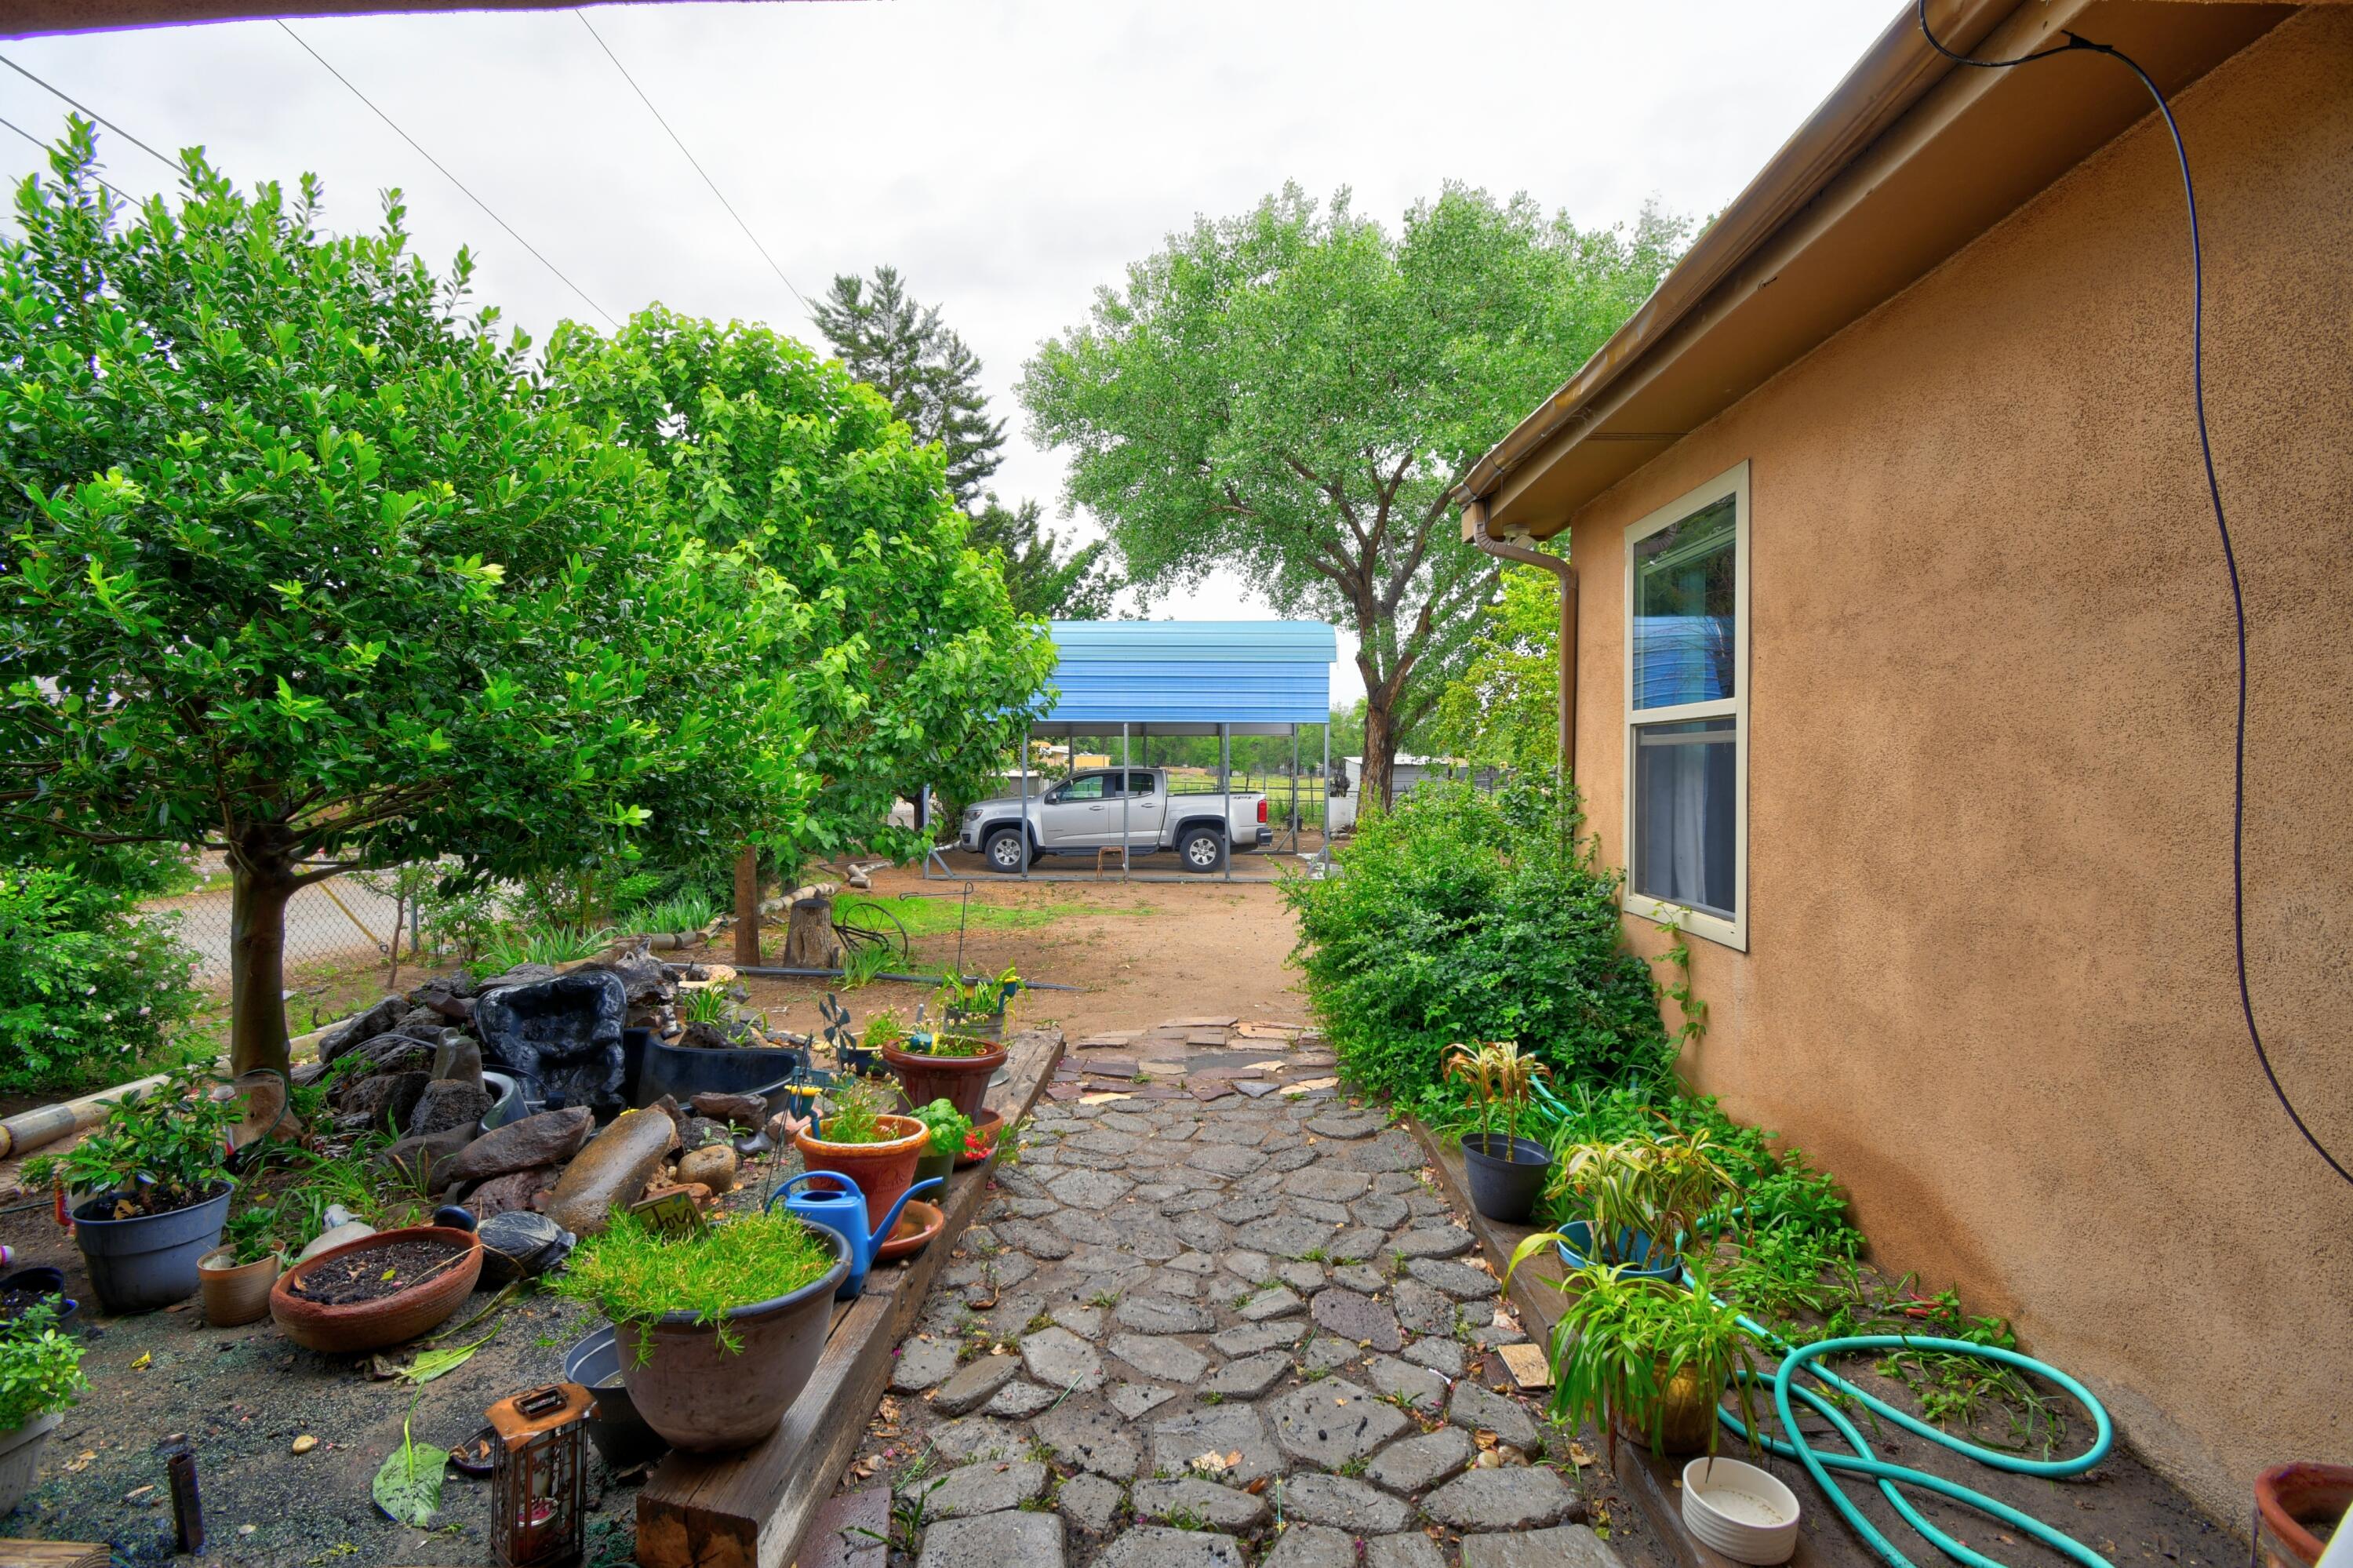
x,y
336,922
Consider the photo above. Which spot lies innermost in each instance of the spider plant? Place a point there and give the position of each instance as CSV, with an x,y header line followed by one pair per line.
x,y
1662,1187
540,945
862,963
705,1004
1496,1077
679,911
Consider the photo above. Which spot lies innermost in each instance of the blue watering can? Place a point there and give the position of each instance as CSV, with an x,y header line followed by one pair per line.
x,y
844,1210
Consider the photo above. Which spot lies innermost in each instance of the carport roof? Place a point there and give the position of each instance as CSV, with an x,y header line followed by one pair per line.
x,y
1165,673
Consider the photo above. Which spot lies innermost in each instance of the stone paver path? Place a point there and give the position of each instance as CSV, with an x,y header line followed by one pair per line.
x,y
1195,1332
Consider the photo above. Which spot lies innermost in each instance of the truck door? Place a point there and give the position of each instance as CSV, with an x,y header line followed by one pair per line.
x,y
1073,815
1147,811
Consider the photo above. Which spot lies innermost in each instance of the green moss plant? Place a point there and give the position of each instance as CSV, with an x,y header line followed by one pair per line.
x,y
634,1275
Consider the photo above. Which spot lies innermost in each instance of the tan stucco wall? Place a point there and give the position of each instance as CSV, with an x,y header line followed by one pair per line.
x,y
1989,980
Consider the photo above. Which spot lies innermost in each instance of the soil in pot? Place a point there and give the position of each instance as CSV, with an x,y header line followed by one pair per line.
x,y
378,1272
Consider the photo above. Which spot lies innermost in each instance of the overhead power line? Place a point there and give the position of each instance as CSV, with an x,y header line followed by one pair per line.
x,y
446,174
44,147
690,158
170,163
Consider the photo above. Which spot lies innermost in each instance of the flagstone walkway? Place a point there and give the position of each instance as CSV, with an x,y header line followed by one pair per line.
x,y
1196,1330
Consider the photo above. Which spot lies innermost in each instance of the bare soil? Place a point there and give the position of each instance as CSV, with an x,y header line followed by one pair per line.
x,y
374,1274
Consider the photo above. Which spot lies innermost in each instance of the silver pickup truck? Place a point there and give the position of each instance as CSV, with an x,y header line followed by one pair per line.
x,y
1090,810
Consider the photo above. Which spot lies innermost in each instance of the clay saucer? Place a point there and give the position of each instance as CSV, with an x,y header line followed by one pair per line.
x,y
918,1223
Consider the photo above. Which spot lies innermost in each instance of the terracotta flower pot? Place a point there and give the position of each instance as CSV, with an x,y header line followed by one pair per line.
x,y
707,1399
236,1292
882,1170
388,1320
962,1081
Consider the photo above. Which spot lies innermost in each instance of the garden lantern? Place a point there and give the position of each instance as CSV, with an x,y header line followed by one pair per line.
x,y
536,1516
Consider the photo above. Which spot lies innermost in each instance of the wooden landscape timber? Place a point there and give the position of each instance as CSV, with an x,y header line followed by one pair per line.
x,y
756,1508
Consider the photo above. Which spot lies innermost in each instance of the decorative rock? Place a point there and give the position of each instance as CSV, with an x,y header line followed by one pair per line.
x,y
984,1487
612,1171
424,1161
1152,1546
1062,1360
1091,1440
1159,1315
549,1138
512,1192
1333,1422
449,1103
389,1099
1225,1429
1132,1400
922,1363
714,1166
1343,1504
560,1037
1417,1386
1206,1502
976,1383
1249,1377
1357,1317
1271,1304
1433,1241
994,1540
377,1021
1089,1502
1482,1409
1312,1546
1443,1357
458,1056
747,1111
1521,1497
1163,1358
1250,1339
1420,1463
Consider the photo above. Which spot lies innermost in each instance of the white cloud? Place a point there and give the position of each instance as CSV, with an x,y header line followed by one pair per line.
x,y
1009,155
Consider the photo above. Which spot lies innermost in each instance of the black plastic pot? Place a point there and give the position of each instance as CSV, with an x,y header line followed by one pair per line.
x,y
149,1261
619,1433
1507,1175
683,1072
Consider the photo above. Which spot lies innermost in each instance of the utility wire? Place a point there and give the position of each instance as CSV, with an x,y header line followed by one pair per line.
x,y
446,174
101,184
2221,527
690,158
170,163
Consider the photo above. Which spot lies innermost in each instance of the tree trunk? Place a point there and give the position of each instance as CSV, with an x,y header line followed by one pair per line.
x,y
1380,750
810,939
747,907
256,967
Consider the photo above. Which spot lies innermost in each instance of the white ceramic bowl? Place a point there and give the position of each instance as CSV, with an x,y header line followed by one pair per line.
x,y
1740,1510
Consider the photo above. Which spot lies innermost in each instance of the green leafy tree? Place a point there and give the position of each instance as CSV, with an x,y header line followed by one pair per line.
x,y
903,349
1503,709
91,993
301,566
907,664
1292,391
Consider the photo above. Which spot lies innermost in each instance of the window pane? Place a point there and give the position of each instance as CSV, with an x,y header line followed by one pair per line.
x,y
1686,798
1139,783
1089,788
1683,611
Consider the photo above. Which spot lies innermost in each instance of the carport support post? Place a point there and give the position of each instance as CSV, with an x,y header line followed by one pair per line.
x,y
1295,789
1225,782
1126,790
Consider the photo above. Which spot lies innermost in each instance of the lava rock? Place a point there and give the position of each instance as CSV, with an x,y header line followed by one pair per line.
x,y
377,1020
386,1099
517,1190
384,1054
748,1111
449,1103
561,1037
425,1160
549,1138
459,1056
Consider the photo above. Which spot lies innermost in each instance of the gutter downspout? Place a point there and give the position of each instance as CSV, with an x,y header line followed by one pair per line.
x,y
1474,514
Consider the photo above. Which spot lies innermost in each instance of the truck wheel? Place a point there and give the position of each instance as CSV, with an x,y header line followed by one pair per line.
x,y
1202,849
1004,852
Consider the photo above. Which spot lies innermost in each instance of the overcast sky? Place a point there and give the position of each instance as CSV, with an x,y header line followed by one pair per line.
x,y
1009,156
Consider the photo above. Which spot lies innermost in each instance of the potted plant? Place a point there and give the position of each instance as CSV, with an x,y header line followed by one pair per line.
x,y
377,1290
152,1190
1507,1172
858,1140
944,1065
975,1008
949,1127
234,1278
718,1332
40,1372
1644,1358
1642,1201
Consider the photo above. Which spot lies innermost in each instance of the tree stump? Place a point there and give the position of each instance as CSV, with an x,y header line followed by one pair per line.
x,y
810,942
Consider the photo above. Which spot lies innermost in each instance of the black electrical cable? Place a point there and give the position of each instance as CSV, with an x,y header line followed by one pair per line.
x,y
170,163
446,174
2221,527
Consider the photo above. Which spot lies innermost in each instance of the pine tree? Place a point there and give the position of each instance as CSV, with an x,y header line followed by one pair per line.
x,y
901,348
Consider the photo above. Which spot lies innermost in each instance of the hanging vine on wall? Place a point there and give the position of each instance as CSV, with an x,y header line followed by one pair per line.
x,y
1677,986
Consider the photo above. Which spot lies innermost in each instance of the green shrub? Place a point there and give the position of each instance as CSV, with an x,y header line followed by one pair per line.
x,y
1458,917
40,1368
90,994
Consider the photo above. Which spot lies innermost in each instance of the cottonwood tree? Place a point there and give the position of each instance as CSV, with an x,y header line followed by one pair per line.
x,y
1292,391
908,663
301,565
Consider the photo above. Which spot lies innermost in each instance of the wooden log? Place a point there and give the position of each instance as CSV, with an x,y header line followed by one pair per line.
x,y
51,1554
754,1510
810,941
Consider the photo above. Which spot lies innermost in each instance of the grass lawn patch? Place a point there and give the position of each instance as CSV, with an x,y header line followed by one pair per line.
x,y
929,916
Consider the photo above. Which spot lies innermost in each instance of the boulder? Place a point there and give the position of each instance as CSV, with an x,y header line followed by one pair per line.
x,y
386,1099
377,1020
425,1161
549,1138
612,1171
450,995
514,1192
559,1036
714,1167
748,1111
421,1024
447,1103
384,1054
459,1056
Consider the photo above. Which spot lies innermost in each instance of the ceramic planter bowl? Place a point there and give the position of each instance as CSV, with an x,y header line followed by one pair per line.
x,y
962,1081
918,1223
1507,1175
388,1320
20,1458
237,1292
884,1172
148,1261
1740,1510
706,1399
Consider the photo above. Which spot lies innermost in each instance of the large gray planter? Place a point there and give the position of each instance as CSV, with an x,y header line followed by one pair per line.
x,y
139,1265
20,1458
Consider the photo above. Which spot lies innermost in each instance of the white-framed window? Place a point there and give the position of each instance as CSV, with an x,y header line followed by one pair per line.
x,y
1687,711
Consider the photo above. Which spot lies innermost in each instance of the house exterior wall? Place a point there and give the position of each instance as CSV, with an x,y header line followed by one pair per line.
x,y
1988,979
